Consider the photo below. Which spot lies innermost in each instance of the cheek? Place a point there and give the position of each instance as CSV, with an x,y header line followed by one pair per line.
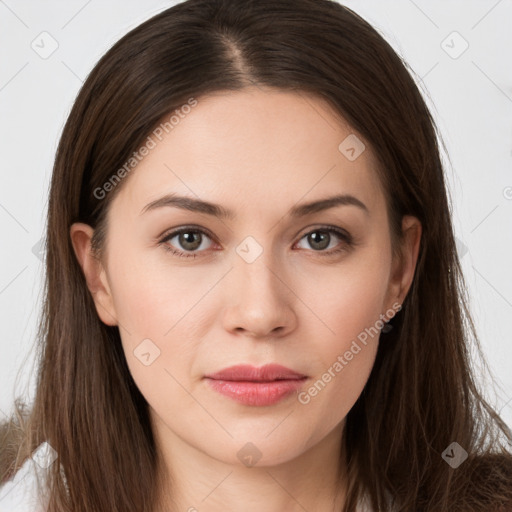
x,y
151,294
348,302
343,361
159,308
346,298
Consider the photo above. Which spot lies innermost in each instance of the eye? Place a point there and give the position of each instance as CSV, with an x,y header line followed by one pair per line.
x,y
191,240
321,238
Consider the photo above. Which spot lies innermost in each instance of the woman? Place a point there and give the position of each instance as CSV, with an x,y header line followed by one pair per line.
x,y
253,296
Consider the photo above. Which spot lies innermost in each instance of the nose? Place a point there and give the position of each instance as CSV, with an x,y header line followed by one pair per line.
x,y
260,299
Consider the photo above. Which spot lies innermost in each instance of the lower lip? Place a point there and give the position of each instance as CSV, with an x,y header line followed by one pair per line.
x,y
256,393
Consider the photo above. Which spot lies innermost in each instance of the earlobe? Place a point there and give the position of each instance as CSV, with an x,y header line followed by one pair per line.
x,y
94,272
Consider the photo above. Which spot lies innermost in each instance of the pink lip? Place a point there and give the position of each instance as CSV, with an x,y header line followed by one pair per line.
x,y
249,385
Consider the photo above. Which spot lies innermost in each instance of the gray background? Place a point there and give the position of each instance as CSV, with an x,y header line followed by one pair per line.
x,y
48,48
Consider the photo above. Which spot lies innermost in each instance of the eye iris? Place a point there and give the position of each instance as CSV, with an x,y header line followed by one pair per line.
x,y
189,240
313,238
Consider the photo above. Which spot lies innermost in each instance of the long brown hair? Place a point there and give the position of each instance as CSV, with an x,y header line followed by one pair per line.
x,y
422,394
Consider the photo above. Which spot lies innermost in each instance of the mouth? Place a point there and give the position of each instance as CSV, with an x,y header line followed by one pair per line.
x,y
253,386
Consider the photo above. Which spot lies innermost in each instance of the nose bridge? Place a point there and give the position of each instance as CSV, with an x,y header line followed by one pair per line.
x,y
260,303
255,265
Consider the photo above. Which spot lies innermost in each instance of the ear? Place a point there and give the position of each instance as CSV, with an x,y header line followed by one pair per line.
x,y
404,265
94,273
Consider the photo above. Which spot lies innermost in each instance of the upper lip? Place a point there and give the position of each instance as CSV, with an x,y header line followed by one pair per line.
x,y
266,373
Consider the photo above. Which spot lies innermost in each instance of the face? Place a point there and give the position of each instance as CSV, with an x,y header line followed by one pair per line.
x,y
305,288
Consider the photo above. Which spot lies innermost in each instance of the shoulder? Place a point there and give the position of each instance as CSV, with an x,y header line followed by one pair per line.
x,y
22,493
489,481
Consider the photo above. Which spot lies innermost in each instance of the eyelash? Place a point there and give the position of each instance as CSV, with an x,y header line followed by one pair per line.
x,y
346,237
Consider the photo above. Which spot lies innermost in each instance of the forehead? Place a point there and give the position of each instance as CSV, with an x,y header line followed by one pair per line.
x,y
257,147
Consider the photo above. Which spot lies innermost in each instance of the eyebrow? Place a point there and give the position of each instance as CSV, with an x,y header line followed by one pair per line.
x,y
301,210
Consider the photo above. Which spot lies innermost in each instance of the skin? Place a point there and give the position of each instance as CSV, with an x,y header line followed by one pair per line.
x,y
258,152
